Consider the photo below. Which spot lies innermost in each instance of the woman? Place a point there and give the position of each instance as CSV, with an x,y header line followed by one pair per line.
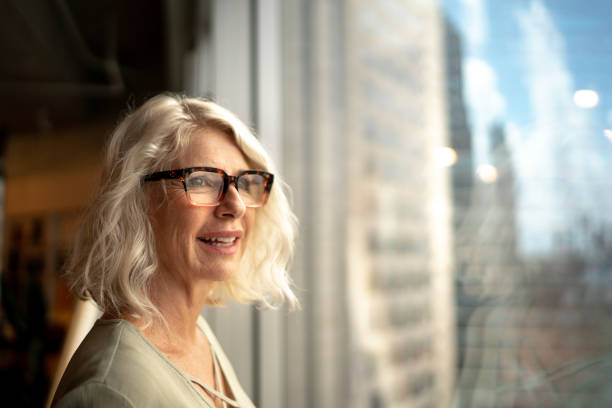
x,y
188,214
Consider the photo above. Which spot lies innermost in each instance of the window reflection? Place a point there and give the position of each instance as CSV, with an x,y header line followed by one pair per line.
x,y
480,136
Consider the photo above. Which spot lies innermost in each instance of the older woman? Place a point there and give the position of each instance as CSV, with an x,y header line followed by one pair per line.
x,y
189,214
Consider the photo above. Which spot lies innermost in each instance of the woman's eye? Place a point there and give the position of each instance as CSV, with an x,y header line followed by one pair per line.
x,y
243,183
198,182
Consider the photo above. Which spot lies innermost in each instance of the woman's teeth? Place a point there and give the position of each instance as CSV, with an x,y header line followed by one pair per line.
x,y
219,241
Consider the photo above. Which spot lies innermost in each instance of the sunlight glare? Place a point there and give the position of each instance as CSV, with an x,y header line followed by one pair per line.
x,y
586,98
487,173
446,156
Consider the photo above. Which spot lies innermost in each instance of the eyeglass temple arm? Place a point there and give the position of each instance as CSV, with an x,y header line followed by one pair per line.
x,y
160,175
270,182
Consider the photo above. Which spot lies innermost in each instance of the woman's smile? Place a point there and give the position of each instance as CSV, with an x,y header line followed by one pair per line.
x,y
222,242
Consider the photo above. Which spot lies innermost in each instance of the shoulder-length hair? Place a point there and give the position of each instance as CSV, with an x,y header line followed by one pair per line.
x,y
113,258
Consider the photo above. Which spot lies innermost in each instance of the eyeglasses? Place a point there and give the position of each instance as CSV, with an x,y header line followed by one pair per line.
x,y
207,186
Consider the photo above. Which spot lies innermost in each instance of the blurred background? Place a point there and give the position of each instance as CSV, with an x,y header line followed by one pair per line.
x,y
450,164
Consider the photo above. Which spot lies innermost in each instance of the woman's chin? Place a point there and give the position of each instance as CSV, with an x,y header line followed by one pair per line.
x,y
219,274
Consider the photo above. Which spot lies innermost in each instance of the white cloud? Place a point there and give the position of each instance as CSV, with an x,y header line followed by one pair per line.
x,y
549,81
559,156
475,23
483,92
486,103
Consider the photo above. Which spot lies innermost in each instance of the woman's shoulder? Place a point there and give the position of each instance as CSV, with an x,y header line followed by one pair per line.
x,y
110,346
93,394
116,361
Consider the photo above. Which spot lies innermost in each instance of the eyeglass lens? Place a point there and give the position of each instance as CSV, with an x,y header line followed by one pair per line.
x,y
205,188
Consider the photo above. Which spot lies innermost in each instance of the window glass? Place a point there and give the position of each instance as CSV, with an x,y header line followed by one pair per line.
x,y
465,259
531,253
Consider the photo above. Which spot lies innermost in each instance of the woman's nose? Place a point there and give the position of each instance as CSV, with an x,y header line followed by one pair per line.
x,y
232,204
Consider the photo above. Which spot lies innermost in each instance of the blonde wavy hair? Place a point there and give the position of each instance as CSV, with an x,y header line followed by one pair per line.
x,y
113,258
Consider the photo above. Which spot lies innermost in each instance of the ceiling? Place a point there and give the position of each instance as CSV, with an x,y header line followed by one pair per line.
x,y
70,60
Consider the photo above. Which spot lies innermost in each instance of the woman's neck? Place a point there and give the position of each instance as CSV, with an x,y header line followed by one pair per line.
x,y
180,305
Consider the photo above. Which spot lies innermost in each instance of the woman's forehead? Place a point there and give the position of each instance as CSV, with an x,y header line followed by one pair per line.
x,y
213,148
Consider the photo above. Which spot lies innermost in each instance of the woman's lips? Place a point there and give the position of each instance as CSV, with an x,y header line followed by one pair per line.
x,y
221,234
226,245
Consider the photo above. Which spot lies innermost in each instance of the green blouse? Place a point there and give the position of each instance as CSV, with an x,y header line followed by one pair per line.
x,y
116,366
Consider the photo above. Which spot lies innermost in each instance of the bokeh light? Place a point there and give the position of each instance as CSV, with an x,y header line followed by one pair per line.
x,y
586,98
487,173
445,156
608,133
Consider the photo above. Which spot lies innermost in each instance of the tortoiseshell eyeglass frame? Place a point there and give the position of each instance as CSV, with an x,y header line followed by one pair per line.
x,y
181,174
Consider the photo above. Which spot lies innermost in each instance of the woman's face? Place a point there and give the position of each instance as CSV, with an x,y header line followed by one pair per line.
x,y
186,235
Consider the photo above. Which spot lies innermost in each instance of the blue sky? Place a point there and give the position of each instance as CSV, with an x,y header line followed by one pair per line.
x,y
587,35
523,60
